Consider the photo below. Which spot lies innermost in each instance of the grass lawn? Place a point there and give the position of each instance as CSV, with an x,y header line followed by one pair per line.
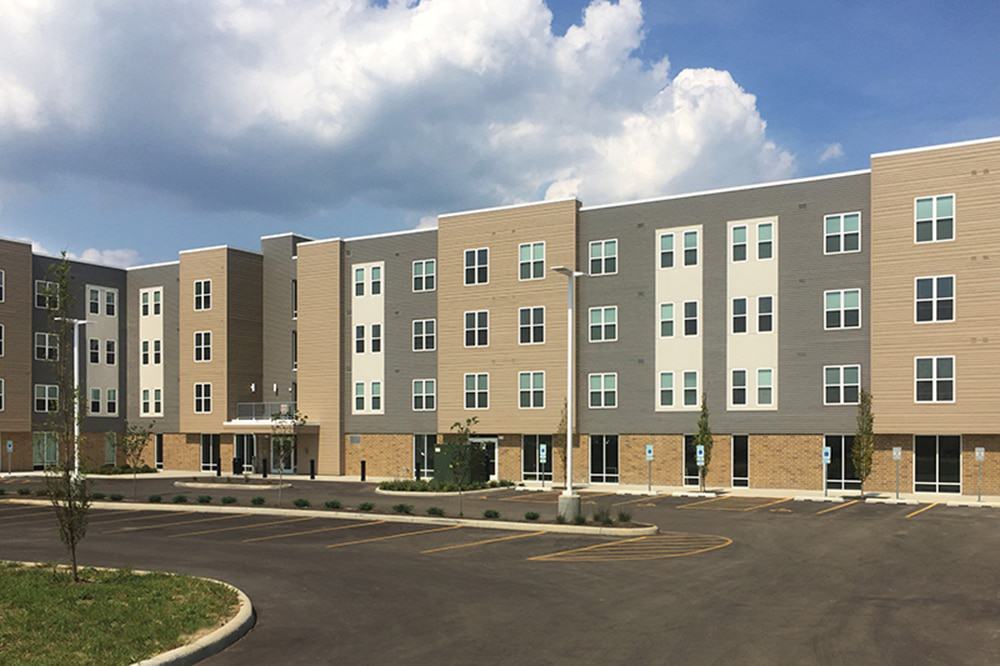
x,y
114,617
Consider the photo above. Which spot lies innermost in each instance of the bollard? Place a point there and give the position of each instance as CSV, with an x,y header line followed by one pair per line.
x,y
235,466
218,469
265,468
312,469
363,468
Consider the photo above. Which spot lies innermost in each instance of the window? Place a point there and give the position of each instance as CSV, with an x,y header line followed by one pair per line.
x,y
604,257
739,245
842,233
937,464
531,390
202,346
203,398
46,398
423,455
603,390
111,402
765,241
95,301
604,324
359,282
110,349
739,315
477,328
46,347
666,320
935,299
95,401
110,446
690,248
604,459
424,395
424,338
3,393
935,379
359,396
424,274
3,287
376,338
157,401
202,294
477,266
376,280
690,318
477,390
667,250
765,387
531,325
376,396
359,339
295,351
739,387
765,314
1,339
111,303
144,303
46,295
157,298
843,309
145,407
531,261
95,350
157,352
295,299
536,466
691,388
840,473
841,384
935,218
666,389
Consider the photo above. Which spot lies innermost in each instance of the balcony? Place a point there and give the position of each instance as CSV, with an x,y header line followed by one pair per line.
x,y
264,411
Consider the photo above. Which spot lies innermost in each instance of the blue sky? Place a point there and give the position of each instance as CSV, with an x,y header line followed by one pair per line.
x,y
152,127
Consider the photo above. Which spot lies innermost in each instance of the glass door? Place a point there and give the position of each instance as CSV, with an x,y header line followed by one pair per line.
x,y
245,454
285,464
423,456
840,473
531,469
691,476
741,461
210,452
159,451
44,450
937,464
604,458
490,448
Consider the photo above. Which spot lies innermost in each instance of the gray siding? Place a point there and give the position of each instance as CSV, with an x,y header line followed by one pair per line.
x,y
168,278
279,324
804,273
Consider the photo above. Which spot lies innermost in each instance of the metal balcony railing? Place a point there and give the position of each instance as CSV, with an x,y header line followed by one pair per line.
x,y
264,411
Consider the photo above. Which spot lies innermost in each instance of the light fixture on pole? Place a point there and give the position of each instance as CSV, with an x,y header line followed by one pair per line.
x,y
77,323
569,501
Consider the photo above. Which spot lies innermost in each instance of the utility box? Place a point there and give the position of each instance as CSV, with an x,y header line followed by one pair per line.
x,y
446,454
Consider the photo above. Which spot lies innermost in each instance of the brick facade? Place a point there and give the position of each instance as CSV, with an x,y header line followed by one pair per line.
x,y
385,455
786,461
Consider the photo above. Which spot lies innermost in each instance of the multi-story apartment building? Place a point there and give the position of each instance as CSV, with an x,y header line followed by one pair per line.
x,y
777,303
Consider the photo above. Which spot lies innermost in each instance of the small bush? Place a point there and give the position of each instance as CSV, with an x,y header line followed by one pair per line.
x,y
117,497
41,492
580,520
435,511
561,519
603,516
229,499
97,497
491,514
366,506
531,515
403,508
24,491
155,499
301,503
624,517
3,491
332,504
204,499
180,499
257,501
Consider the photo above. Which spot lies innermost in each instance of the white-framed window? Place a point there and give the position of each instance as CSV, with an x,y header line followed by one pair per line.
x,y
531,261
690,318
376,274
202,346
690,388
739,315
739,387
424,335
934,299
94,301
46,398
359,339
765,241
157,351
531,325
477,328
94,350
202,295
666,320
359,396
110,352
691,248
144,303
934,379
359,281
157,302
477,266
3,286
666,389
95,401
738,246
376,338
842,233
111,303
604,257
111,402
603,390
3,393
765,314
376,396
295,299
46,347
531,390
604,323
203,398
150,302
144,405
157,402
842,309
765,386
667,249
841,384
2,339
46,295
477,390
424,275
424,395
295,351
934,218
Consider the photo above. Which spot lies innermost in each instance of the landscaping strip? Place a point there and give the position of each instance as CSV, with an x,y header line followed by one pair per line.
x,y
231,486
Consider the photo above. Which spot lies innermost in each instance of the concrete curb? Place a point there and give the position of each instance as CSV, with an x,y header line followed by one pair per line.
x,y
420,493
810,498
694,493
230,486
511,526
890,500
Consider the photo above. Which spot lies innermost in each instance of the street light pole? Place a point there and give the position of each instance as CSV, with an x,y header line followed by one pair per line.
x,y
569,501
77,323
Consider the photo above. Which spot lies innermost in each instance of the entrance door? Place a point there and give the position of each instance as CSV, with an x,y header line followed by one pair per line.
x,y
245,454
840,474
531,469
741,461
159,451
423,456
210,445
44,450
937,464
490,448
604,458
284,464
691,477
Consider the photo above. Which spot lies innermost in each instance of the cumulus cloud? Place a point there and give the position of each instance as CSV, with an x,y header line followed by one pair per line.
x,y
300,106
833,151
427,222
121,258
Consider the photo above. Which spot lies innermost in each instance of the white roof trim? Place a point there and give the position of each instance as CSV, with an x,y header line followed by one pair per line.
x,y
157,265
738,188
940,146
320,241
389,233
282,235
19,241
508,207
204,249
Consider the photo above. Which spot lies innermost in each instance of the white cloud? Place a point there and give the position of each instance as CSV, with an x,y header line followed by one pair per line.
x,y
429,106
120,258
832,151
427,222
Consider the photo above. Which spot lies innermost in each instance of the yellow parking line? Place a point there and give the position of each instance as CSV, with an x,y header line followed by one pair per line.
x,y
774,503
32,519
597,494
484,542
922,509
240,527
394,536
644,498
315,531
164,514
587,548
837,507
182,522
704,501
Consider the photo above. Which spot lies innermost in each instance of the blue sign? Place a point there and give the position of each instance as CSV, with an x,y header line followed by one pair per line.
x,y
826,455
10,446
699,454
649,452
543,453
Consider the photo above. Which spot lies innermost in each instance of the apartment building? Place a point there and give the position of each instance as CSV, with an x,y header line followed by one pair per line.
x,y
777,303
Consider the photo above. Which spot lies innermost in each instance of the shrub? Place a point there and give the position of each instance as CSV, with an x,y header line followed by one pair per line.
x,y
257,501
24,491
491,513
624,517
97,496
603,516
3,491
204,499
531,515
366,506
403,508
435,511
301,503
180,499
332,504
422,486
229,499
41,492
561,519
580,520
117,497
155,499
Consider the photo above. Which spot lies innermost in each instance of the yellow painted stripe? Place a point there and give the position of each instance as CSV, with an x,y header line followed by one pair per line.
x,y
240,527
640,500
119,519
182,522
921,510
394,536
774,503
315,531
484,542
704,501
837,507
586,548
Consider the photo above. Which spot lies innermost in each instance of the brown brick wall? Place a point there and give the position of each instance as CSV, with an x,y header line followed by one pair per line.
x,y
183,451
991,466
20,460
667,459
786,461
388,455
883,476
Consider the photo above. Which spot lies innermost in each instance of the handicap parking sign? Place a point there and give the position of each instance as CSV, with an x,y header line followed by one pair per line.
x,y
699,454
826,455
649,452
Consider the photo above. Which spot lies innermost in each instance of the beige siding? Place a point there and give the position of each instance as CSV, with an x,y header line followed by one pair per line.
x,y
15,315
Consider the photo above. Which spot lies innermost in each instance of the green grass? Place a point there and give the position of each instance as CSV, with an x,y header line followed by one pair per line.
x,y
114,617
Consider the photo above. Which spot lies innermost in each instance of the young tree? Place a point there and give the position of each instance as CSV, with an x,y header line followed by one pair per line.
x,y
461,455
704,438
864,439
132,443
285,425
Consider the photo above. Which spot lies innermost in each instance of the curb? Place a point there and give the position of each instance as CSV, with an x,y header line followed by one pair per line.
x,y
890,500
230,486
810,498
694,493
420,493
507,525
